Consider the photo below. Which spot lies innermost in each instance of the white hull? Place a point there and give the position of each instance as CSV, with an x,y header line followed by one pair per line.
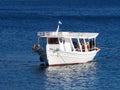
x,y
61,58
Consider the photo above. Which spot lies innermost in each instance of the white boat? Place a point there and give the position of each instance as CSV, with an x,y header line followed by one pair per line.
x,y
61,48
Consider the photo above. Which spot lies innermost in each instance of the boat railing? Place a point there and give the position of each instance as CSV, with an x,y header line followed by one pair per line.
x,y
46,33
67,34
41,33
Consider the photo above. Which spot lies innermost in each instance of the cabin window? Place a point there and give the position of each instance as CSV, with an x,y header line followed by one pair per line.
x,y
53,41
75,43
87,41
60,40
92,44
82,43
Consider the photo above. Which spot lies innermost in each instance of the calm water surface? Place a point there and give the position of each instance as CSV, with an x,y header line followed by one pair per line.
x,y
21,20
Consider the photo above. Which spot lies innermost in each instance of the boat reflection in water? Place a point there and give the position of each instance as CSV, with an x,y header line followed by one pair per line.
x,y
80,77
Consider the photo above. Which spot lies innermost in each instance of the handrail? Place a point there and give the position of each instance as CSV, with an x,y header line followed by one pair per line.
x,y
68,34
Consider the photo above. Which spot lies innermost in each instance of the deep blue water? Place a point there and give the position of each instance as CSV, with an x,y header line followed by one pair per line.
x,y
20,20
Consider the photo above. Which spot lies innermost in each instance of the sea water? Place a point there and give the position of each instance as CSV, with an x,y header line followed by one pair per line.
x,y
20,20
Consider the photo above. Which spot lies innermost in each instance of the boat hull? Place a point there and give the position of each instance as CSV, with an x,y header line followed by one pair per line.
x,y
65,58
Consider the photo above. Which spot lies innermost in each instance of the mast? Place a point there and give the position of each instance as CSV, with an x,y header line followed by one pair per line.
x,y
58,27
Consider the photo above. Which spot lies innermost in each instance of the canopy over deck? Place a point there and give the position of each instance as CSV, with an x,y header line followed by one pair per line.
x,y
68,34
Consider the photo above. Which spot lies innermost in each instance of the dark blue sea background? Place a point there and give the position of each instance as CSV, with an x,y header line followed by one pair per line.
x,y
20,20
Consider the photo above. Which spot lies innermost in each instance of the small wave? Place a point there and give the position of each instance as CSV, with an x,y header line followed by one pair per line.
x,y
24,15
53,12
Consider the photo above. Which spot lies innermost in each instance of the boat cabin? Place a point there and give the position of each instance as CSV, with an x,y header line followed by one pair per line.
x,y
67,41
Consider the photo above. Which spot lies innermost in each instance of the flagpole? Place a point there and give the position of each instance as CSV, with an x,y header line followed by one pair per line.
x,y
58,27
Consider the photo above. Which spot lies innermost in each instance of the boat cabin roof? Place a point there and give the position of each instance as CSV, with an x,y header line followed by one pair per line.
x,y
67,34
